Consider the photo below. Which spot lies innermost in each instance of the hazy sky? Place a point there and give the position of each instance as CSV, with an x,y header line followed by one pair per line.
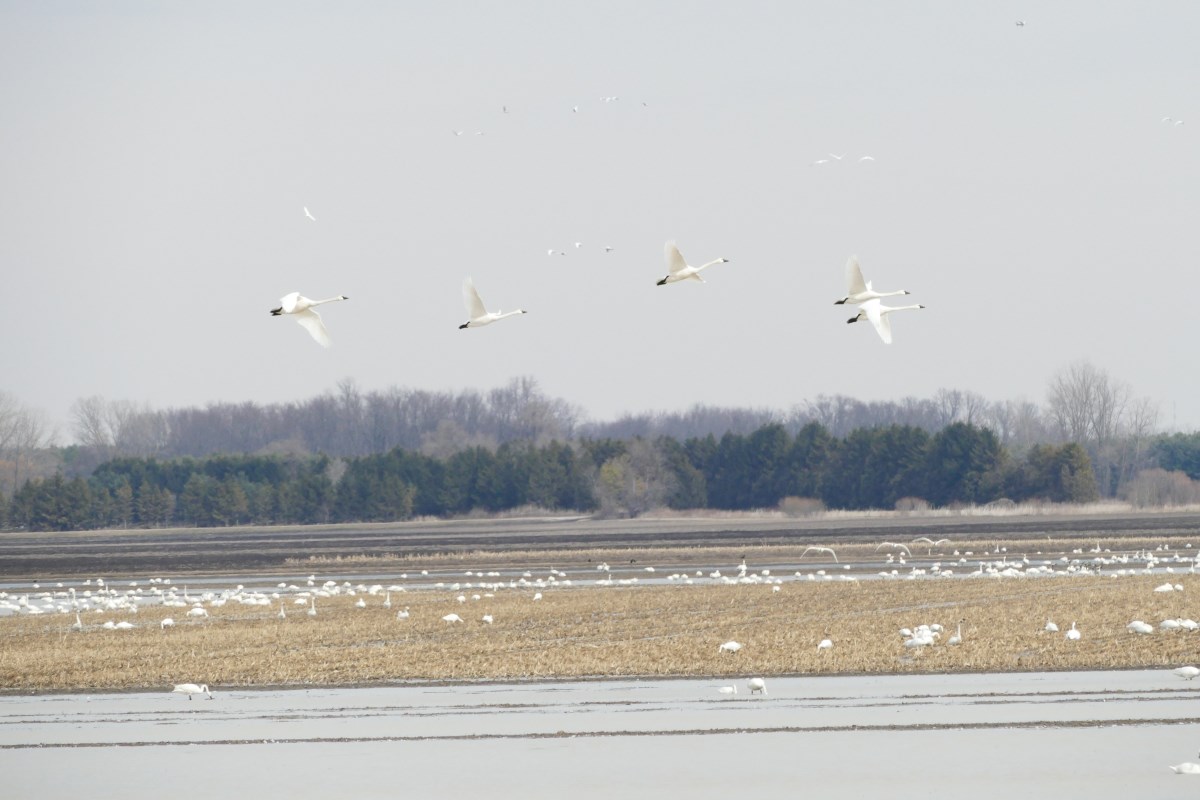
x,y
155,159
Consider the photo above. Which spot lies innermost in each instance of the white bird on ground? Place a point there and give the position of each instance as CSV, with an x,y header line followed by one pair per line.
x,y
957,637
859,290
1187,673
190,689
728,690
452,618
1051,627
78,624
301,307
757,686
309,215
387,601
729,647
1074,635
166,623
825,644
1137,626
878,315
362,603
679,270
488,618
537,596
1186,768
282,612
403,613
312,606
479,314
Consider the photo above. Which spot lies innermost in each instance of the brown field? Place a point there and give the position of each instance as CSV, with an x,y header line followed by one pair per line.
x,y
587,631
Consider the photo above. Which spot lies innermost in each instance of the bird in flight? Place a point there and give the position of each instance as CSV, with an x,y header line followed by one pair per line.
x,y
480,316
309,214
858,290
877,313
679,270
301,307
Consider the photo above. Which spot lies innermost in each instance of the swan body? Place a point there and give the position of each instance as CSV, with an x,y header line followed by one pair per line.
x,y
301,307
452,618
1051,627
957,637
858,290
757,686
877,313
729,647
480,316
825,644
1186,768
1187,673
190,689
1137,626
166,623
728,690
1074,635
679,270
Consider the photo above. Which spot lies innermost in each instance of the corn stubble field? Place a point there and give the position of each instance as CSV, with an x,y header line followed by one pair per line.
x,y
591,631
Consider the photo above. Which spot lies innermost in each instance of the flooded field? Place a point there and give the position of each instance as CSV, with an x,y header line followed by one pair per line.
x,y
1068,734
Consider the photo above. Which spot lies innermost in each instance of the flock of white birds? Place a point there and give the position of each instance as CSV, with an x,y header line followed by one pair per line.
x,y
858,292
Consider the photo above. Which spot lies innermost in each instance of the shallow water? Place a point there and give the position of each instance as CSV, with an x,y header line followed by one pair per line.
x,y
1092,734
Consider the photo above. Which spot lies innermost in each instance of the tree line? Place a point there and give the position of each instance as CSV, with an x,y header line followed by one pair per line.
x,y
884,467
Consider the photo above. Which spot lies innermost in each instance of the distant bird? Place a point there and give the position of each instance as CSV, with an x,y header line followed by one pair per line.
x,y
487,618
537,596
836,157
729,647
1137,626
504,109
309,215
820,161
1073,634
282,611
574,109
479,314
877,313
452,618
1186,768
866,158
312,606
301,307
728,690
166,623
927,541
757,686
362,603
957,637
679,270
1187,673
403,613
1020,23
825,644
552,252
77,625
387,601
1051,627
190,689
578,245
458,133
608,248
820,550
859,291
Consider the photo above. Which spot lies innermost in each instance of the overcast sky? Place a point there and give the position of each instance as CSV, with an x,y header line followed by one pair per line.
x,y
155,159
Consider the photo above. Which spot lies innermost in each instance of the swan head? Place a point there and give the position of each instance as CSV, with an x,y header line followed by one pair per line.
x,y
464,325
854,319
663,282
841,302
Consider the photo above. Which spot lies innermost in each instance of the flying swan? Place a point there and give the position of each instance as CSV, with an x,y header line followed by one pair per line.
x,y
302,308
859,291
480,316
877,313
678,269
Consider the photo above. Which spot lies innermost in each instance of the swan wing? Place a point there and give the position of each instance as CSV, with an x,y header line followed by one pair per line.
x,y
879,320
473,301
288,302
675,262
854,277
311,322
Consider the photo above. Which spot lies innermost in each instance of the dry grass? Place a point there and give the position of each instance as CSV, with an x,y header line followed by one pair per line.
x,y
670,630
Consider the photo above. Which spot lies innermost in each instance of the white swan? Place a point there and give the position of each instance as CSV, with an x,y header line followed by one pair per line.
x,y
679,270
1073,634
729,647
452,618
166,623
312,607
480,316
190,689
825,644
878,314
302,308
757,686
1051,627
1186,768
1187,673
308,214
727,690
859,290
957,637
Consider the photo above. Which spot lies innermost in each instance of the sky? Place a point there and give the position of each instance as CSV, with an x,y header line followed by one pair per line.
x,y
156,159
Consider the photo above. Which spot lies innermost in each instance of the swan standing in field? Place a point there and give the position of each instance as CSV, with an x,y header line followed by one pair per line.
x,y
825,644
729,647
957,637
757,686
190,689
1051,627
1187,673
166,623
859,290
679,270
312,606
302,308
1074,635
877,313
479,314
